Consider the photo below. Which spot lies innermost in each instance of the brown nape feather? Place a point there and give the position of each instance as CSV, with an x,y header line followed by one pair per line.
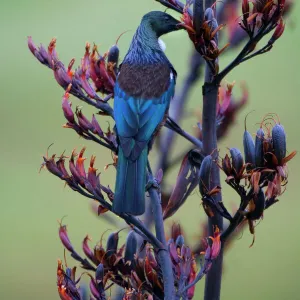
x,y
147,81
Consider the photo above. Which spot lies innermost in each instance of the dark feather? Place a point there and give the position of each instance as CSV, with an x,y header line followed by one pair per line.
x,y
144,81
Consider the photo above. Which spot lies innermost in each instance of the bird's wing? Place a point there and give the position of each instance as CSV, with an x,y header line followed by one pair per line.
x,y
137,114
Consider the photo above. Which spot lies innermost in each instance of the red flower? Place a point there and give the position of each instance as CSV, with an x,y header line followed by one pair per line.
x,y
63,235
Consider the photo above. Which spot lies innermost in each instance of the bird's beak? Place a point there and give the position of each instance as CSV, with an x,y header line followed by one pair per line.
x,y
180,25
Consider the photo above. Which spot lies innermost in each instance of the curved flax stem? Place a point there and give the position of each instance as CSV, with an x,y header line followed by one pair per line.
x,y
88,136
130,220
240,57
238,217
176,128
163,254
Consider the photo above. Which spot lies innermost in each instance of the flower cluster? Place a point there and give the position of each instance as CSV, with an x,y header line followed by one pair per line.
x,y
265,162
184,262
259,175
206,40
258,18
80,180
95,74
89,130
263,15
135,269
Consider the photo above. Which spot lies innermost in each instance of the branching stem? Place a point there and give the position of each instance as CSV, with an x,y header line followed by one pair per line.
x,y
163,254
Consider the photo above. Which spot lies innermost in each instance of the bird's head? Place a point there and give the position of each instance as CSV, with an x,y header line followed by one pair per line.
x,y
161,23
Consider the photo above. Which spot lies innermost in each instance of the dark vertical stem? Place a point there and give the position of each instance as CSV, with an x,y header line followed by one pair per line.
x,y
163,253
209,134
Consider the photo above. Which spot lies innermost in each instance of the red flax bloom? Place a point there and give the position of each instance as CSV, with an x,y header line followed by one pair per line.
x,y
215,248
212,250
66,283
63,235
205,41
278,32
263,14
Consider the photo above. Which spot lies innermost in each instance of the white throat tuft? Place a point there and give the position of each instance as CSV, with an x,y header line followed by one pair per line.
x,y
162,45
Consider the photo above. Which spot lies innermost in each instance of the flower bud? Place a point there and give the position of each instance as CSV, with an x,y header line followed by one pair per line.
x,y
61,75
279,142
258,206
83,122
277,33
179,241
113,58
63,235
96,127
226,165
249,148
76,176
113,54
80,163
99,273
87,251
112,243
131,247
237,160
67,110
259,148
205,175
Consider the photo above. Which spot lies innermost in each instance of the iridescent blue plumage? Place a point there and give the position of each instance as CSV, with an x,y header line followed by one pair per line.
x,y
144,88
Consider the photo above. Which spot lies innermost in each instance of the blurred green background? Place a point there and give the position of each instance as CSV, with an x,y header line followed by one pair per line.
x,y
31,119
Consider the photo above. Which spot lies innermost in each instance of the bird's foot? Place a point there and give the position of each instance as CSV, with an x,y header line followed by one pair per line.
x,y
152,183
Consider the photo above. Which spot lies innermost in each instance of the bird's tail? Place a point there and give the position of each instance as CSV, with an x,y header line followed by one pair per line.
x,y
130,184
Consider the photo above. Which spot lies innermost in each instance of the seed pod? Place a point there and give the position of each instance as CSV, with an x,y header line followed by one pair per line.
x,y
237,160
179,241
131,246
100,272
99,282
259,150
113,56
279,142
259,206
112,243
249,148
205,175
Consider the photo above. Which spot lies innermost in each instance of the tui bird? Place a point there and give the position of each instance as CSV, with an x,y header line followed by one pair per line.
x,y
143,91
